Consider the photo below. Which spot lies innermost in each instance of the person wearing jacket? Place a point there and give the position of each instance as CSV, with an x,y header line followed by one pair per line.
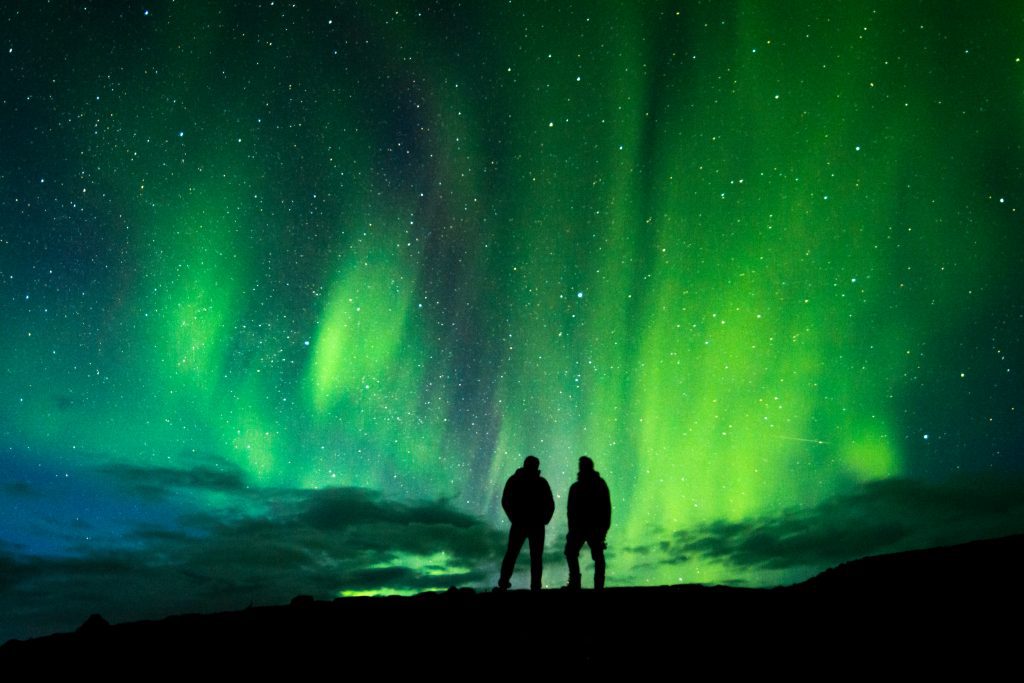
x,y
590,515
528,502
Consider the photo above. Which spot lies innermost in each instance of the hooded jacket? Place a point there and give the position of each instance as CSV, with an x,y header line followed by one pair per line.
x,y
590,506
527,498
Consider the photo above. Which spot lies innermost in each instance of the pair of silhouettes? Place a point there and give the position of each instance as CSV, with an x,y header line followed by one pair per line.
x,y
529,505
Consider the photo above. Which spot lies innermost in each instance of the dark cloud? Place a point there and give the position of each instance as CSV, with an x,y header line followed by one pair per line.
x,y
158,481
339,508
318,542
21,489
12,571
879,517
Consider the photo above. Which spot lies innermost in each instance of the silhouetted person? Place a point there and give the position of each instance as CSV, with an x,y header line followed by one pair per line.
x,y
590,515
528,502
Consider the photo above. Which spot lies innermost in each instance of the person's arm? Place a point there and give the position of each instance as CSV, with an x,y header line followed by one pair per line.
x,y
550,503
572,507
506,499
606,505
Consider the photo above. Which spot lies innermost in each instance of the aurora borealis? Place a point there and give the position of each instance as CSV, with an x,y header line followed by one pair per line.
x,y
288,290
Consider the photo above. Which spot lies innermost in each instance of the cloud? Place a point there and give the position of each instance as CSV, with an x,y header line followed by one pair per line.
x,y
879,517
318,542
21,489
219,476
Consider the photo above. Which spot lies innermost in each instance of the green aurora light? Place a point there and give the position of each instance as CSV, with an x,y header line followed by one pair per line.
x,y
750,257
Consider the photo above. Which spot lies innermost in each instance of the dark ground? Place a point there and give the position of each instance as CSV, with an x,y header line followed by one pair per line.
x,y
939,610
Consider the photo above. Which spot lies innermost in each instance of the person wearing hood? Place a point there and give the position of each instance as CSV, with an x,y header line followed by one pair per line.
x,y
528,502
590,515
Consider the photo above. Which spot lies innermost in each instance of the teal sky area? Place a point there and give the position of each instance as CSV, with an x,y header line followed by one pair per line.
x,y
288,290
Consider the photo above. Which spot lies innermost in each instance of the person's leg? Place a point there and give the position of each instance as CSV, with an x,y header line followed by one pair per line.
x,y
573,544
596,544
536,557
516,536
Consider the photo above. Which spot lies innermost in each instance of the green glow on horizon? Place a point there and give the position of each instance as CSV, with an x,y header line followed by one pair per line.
x,y
374,593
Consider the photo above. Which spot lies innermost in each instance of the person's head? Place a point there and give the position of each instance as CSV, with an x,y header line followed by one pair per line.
x,y
531,464
586,465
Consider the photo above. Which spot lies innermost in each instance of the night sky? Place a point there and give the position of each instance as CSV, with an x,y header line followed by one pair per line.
x,y
288,290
